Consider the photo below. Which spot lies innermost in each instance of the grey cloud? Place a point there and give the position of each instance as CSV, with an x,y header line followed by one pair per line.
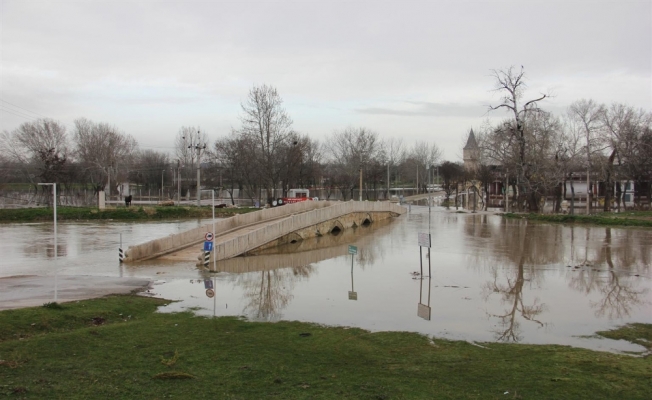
x,y
429,109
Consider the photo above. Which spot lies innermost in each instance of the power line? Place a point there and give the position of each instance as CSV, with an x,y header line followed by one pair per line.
x,y
4,101
17,113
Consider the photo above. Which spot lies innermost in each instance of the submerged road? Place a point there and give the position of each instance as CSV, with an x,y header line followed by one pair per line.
x,y
33,291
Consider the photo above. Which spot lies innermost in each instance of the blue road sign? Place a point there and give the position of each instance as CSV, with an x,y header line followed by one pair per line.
x,y
208,246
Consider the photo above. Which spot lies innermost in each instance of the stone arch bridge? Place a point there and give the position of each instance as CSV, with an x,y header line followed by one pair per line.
x,y
255,232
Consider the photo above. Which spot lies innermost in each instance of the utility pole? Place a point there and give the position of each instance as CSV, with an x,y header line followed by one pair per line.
x,y
198,148
178,183
360,183
162,172
388,181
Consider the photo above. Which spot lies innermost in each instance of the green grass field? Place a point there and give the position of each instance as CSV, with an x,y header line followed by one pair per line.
x,y
118,347
116,213
636,218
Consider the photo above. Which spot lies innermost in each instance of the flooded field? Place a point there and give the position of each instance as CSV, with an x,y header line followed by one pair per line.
x,y
491,279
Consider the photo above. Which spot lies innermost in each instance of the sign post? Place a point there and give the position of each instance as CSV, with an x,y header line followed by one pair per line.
x,y
424,241
353,250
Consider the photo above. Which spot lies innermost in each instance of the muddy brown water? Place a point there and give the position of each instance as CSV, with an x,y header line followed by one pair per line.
x,y
492,279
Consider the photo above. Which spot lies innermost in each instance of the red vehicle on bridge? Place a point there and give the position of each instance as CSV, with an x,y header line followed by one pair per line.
x,y
295,196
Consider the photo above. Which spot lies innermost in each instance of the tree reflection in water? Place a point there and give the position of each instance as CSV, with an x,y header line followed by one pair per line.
x,y
268,292
511,292
617,294
603,268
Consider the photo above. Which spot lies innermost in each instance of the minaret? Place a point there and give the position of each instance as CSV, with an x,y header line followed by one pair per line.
x,y
471,152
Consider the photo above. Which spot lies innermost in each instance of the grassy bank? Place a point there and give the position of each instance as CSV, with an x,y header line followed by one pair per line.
x,y
118,213
638,218
118,347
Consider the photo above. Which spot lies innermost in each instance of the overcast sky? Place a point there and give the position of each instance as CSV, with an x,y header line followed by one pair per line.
x,y
419,70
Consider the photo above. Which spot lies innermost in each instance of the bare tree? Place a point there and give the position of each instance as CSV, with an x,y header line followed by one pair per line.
x,y
234,155
150,169
628,134
511,84
450,173
589,116
268,126
568,156
353,149
424,155
104,151
40,146
396,154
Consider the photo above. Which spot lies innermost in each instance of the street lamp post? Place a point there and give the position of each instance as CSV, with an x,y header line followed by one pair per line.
x,y
54,203
388,181
162,172
360,197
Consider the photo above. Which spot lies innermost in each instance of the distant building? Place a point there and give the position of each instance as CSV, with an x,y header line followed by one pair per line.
x,y
471,152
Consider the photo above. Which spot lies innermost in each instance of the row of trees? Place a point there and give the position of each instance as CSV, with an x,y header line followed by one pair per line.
x,y
266,155
532,151
43,151
263,158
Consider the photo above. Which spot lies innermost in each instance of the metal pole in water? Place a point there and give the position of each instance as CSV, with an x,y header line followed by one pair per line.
x,y
56,250
421,260
214,250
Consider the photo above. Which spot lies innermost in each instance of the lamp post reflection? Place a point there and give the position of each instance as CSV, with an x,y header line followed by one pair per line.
x,y
56,267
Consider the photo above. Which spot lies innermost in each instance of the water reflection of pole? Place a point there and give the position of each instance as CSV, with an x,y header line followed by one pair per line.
x,y
352,289
421,261
120,263
56,268
423,310
352,294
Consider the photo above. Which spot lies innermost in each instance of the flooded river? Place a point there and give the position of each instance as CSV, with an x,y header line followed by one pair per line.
x,y
491,279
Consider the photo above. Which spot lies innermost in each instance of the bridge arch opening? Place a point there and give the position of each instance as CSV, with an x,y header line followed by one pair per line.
x,y
366,222
336,230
